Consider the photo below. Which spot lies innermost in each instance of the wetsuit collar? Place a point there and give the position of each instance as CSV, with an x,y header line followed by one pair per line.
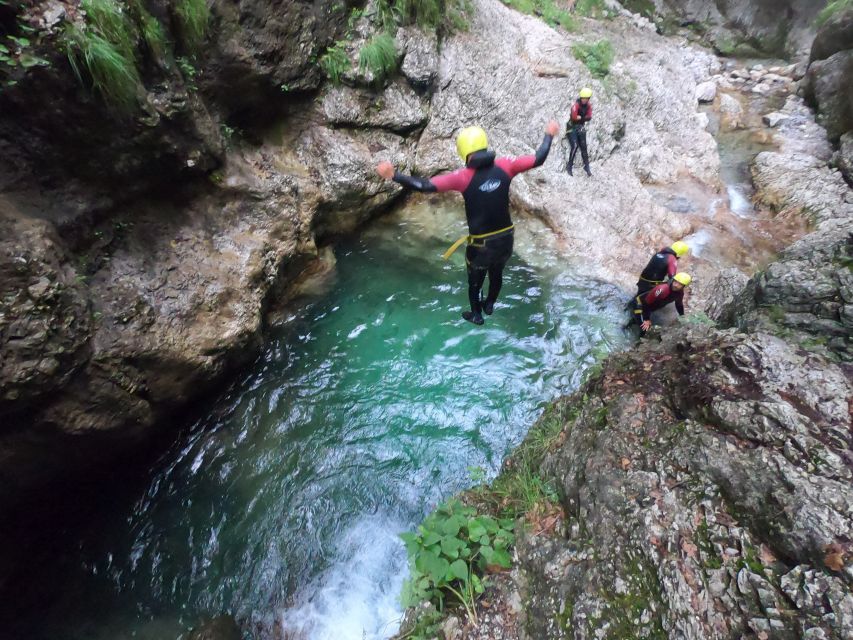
x,y
481,159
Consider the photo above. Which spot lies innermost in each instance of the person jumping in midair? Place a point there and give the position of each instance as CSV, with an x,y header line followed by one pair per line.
x,y
484,184
576,129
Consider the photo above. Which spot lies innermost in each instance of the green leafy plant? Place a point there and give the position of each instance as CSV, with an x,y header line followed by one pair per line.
x,y
189,72
378,56
550,11
450,553
193,17
591,8
832,7
597,57
335,62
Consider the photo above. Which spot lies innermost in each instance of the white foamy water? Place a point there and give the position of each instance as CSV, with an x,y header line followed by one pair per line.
x,y
738,202
358,597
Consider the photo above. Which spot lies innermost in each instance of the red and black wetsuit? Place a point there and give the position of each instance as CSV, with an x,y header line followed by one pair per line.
x,y
581,114
484,184
663,294
660,269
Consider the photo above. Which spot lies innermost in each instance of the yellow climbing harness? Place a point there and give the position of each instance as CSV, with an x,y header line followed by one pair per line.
x,y
470,239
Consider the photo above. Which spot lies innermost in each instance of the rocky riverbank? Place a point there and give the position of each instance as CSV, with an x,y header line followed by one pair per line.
x,y
700,483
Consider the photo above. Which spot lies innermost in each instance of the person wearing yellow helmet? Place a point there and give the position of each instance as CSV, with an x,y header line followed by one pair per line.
x,y
484,184
658,297
662,266
576,129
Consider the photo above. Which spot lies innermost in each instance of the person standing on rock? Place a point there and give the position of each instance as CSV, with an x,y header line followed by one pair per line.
x,y
484,184
663,294
576,129
662,267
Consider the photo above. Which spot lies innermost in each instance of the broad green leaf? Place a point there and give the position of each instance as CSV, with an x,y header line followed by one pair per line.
x,y
412,542
507,523
459,569
431,538
475,529
433,566
450,546
501,557
478,584
452,525
489,523
487,553
4,48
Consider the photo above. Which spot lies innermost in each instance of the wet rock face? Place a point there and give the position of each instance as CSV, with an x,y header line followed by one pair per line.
x,y
705,487
744,27
45,322
829,80
830,87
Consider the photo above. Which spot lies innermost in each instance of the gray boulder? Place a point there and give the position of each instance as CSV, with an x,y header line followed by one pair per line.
x,y
829,87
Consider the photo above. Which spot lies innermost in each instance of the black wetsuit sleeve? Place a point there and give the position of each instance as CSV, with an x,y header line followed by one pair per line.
x,y
679,304
413,182
542,151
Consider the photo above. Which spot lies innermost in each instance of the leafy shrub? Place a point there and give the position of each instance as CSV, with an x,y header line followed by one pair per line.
x,y
831,8
335,62
451,551
597,57
378,56
193,17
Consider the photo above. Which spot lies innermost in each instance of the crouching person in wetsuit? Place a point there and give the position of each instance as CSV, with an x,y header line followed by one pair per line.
x,y
576,130
484,185
663,294
662,267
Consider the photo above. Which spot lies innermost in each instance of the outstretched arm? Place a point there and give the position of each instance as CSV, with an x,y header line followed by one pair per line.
x,y
521,164
447,182
679,304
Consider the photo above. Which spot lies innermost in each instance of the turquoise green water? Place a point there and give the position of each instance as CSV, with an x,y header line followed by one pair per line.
x,y
368,407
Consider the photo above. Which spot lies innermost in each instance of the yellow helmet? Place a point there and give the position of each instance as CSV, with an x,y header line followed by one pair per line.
x,y
586,92
680,248
683,278
469,140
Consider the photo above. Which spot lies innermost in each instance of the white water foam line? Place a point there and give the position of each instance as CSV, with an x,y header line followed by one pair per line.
x,y
358,597
738,202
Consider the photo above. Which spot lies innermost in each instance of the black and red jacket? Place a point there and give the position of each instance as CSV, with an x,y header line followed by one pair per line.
x,y
581,113
484,184
658,298
661,267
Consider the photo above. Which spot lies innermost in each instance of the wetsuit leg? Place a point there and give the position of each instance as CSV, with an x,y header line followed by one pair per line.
x,y
500,251
584,154
477,268
573,144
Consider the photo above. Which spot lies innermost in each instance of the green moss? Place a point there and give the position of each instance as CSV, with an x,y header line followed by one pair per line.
x,y
622,611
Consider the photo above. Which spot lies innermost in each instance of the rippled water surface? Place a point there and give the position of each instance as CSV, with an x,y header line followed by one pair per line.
x,y
370,404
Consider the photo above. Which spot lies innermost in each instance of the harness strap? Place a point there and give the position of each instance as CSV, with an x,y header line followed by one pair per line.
x,y
470,239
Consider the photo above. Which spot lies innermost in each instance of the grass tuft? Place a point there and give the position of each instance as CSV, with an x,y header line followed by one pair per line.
x,y
597,57
154,36
379,56
193,17
552,13
112,69
831,8
335,62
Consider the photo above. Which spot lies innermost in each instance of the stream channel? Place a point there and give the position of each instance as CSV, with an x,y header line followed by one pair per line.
x,y
372,402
